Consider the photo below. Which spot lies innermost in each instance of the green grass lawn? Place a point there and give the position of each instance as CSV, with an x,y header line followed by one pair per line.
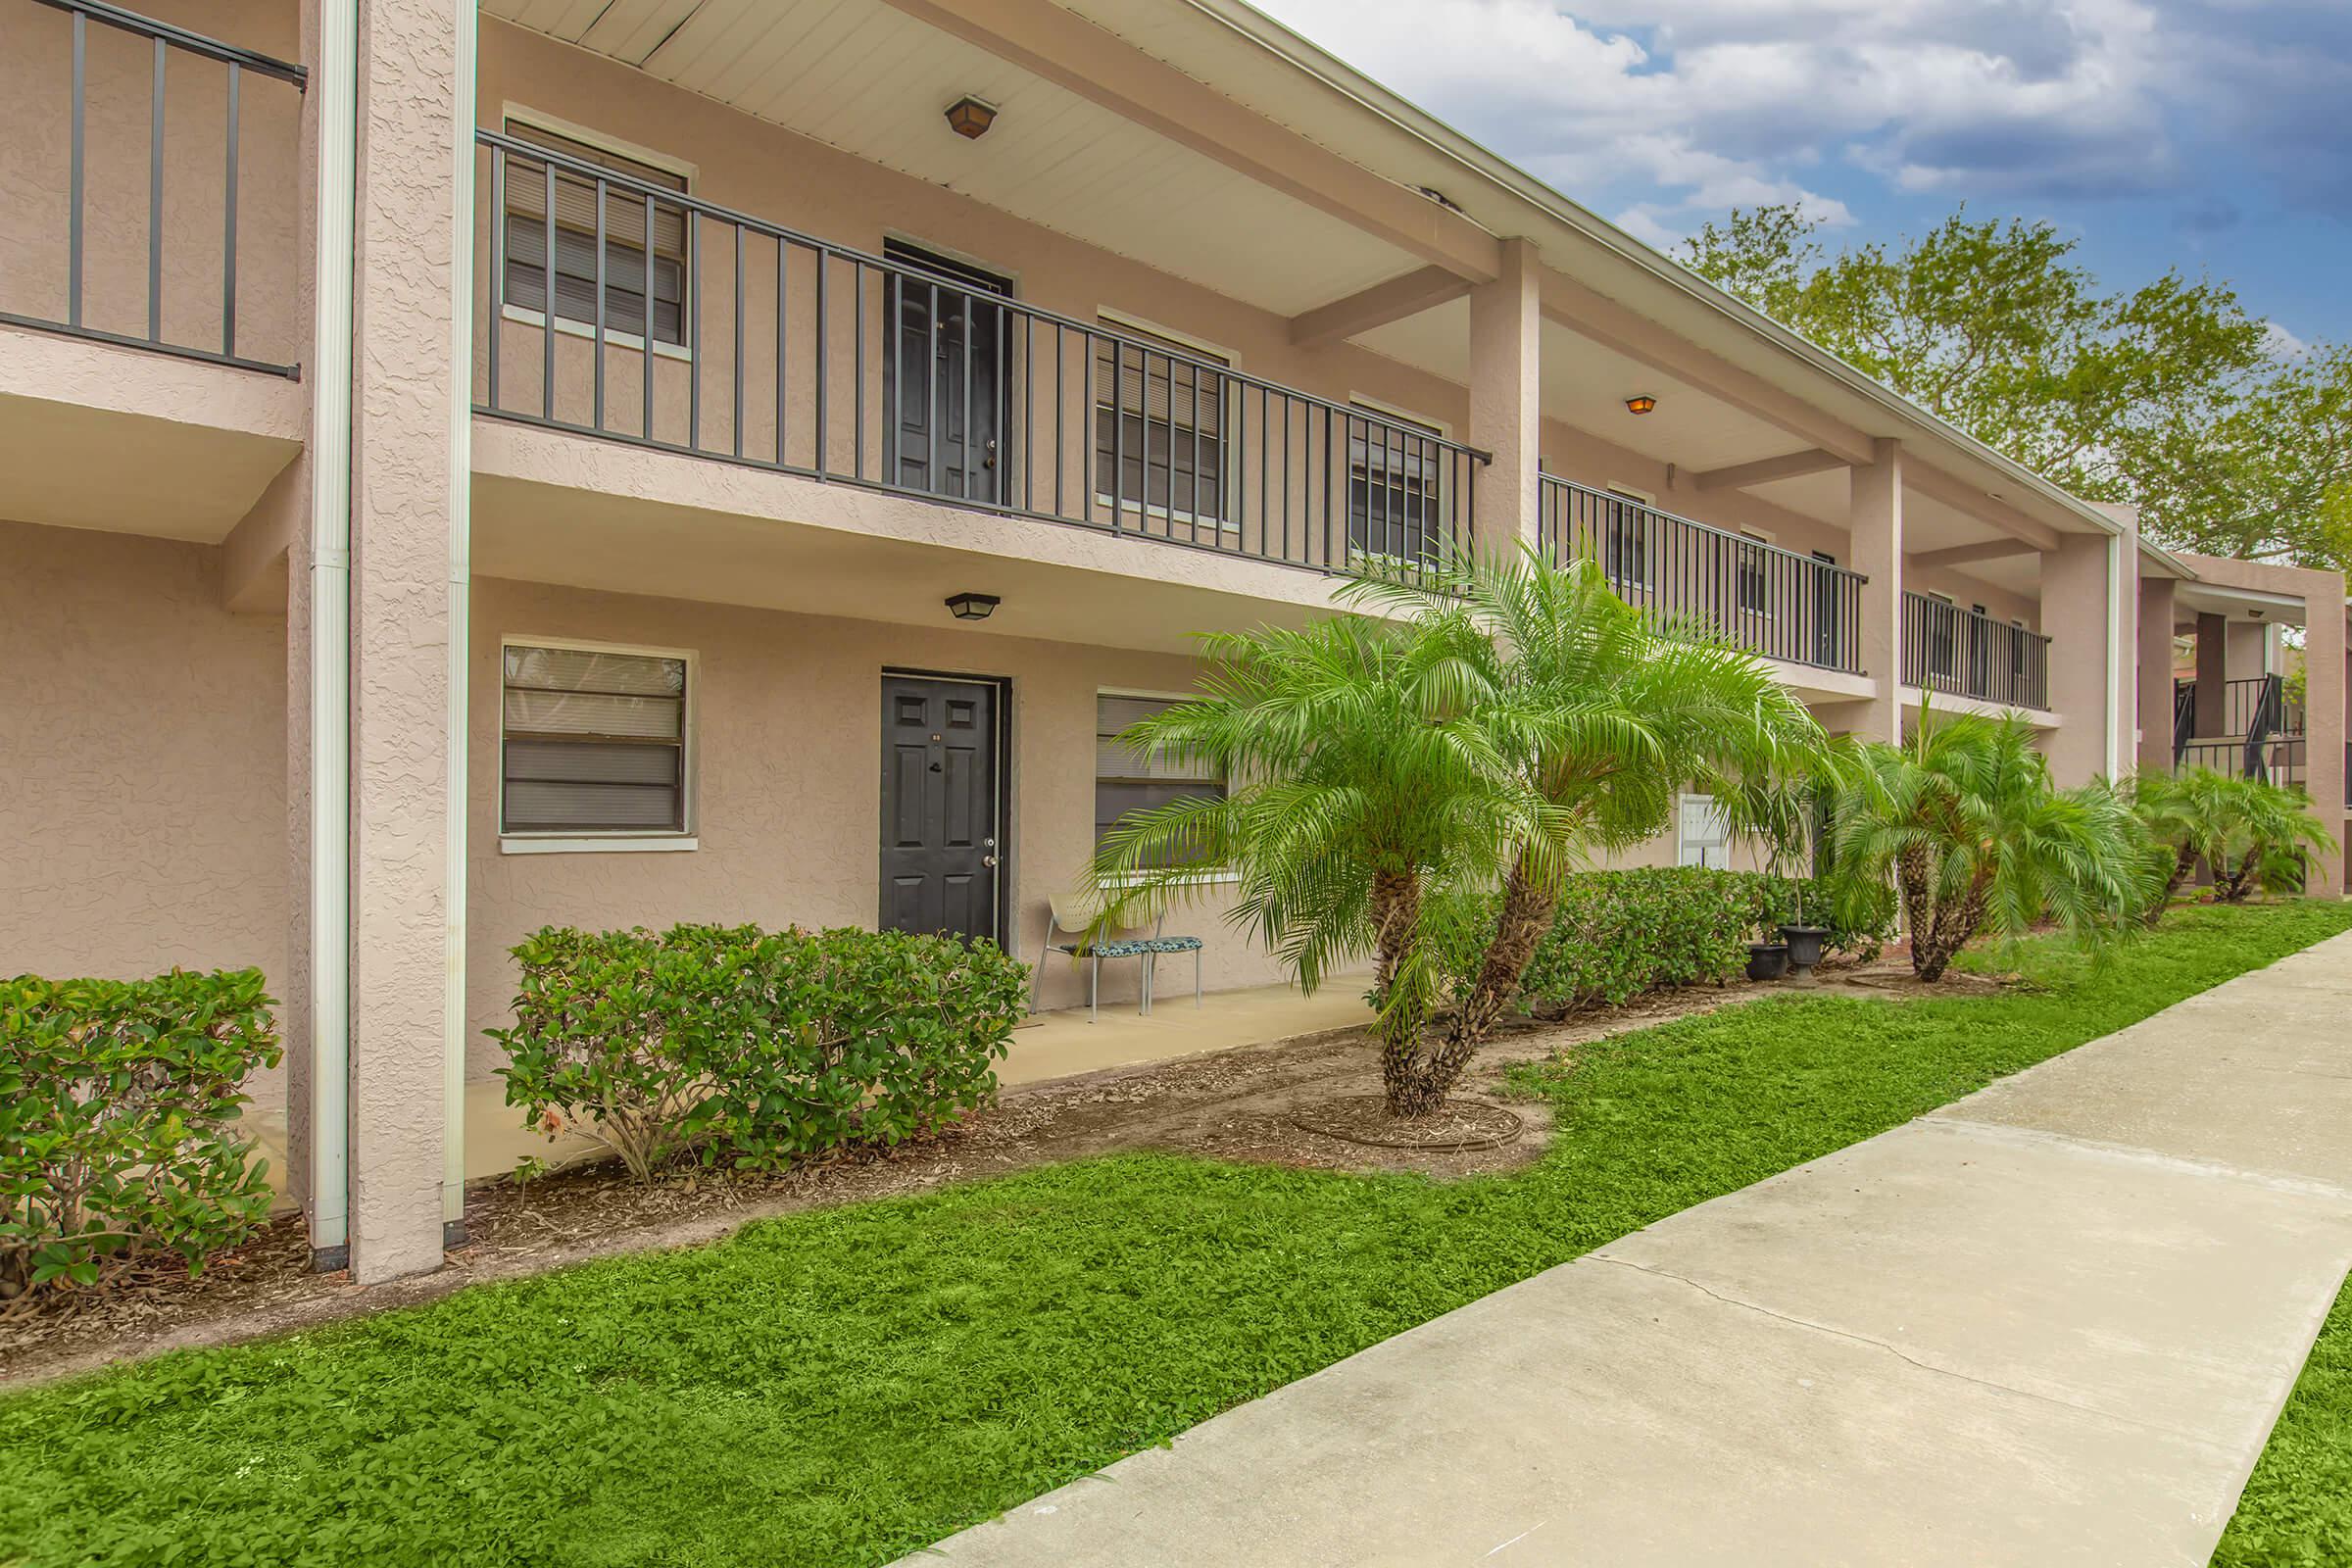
x,y
844,1386
2297,1510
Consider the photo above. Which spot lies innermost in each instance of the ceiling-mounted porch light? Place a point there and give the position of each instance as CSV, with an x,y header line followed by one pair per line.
x,y
973,606
1641,403
970,118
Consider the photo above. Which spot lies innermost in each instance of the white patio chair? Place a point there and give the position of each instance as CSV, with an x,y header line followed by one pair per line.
x,y
1067,918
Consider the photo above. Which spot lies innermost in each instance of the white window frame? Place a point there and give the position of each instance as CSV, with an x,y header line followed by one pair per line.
x,y
586,135
1207,878
1116,321
615,841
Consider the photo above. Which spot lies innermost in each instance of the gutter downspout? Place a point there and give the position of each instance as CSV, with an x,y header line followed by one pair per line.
x,y
460,593
337,86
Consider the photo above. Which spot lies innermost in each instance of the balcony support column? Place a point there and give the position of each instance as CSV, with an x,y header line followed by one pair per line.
x,y
2157,606
1875,514
2087,663
379,612
1506,401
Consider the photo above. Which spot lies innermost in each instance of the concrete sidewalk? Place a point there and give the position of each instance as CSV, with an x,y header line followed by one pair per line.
x,y
2051,1324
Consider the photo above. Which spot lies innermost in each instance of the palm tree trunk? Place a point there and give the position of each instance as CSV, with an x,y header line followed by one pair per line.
x,y
1956,920
2185,861
1526,915
1396,918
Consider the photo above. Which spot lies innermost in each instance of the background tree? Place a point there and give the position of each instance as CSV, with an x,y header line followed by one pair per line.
x,y
2167,396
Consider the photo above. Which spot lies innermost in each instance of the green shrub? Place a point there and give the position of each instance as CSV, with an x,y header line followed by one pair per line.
x,y
749,1048
119,1137
1618,934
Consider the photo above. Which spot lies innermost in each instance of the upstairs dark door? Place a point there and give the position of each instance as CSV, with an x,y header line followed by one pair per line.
x,y
947,390
1829,615
940,852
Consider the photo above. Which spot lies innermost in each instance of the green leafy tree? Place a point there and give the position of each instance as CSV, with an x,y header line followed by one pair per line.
x,y
2167,396
1507,720
1962,820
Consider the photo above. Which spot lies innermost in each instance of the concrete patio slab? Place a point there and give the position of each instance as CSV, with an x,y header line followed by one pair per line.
x,y
1972,1339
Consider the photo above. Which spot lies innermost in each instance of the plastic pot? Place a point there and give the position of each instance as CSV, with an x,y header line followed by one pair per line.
x,y
1767,960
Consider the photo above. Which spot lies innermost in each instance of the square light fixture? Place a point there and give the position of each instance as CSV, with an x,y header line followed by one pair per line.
x,y
969,117
973,606
1641,403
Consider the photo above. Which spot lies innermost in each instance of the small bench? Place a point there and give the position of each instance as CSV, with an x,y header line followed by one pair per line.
x,y
1067,918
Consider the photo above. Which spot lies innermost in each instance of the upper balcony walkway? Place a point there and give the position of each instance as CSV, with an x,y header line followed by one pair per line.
x,y
613,304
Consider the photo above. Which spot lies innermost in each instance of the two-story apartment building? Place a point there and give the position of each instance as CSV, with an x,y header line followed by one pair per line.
x,y
469,466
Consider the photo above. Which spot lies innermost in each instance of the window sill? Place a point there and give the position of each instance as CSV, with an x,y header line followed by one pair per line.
x,y
523,316
596,843
1206,879
1148,514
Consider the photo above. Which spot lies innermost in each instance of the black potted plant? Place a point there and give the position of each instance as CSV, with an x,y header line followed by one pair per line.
x,y
1805,940
1767,960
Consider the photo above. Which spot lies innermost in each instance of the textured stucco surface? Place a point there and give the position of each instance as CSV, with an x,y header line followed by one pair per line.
x,y
141,756
788,742
404,393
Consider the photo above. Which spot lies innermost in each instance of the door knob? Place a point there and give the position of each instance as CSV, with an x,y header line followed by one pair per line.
x,y
988,859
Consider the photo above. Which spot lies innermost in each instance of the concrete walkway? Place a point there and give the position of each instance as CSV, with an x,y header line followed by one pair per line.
x,y
2051,1324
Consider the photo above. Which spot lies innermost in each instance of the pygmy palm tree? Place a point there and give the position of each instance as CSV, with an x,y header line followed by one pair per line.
x,y
2257,835
1509,718
1963,818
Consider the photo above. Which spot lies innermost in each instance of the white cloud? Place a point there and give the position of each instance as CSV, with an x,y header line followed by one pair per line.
x,y
1675,110
2282,343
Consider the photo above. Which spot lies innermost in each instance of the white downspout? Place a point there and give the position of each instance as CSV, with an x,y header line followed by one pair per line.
x,y
337,87
460,593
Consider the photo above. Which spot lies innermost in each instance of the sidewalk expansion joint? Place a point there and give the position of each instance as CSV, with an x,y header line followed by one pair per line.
x,y
2138,1153
2200,1438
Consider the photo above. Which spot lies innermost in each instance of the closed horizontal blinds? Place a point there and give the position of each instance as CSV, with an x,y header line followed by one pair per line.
x,y
575,194
1153,381
595,741
1115,759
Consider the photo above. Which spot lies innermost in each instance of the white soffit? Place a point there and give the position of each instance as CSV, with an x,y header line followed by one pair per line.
x,y
868,79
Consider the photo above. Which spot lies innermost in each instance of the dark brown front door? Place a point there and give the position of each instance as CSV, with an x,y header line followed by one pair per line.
x,y
941,863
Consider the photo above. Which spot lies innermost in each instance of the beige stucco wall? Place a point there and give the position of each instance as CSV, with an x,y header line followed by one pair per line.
x,y
142,796
35,82
788,807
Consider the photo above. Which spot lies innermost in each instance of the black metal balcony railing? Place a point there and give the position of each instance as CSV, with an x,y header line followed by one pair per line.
x,y
1771,601
779,351
208,77
1970,654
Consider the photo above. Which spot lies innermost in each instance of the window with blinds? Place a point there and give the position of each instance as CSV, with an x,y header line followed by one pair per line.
x,y
1394,478
1756,573
1159,426
1129,779
626,225
592,741
1625,540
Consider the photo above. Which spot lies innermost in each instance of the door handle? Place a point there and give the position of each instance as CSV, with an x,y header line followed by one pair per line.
x,y
988,859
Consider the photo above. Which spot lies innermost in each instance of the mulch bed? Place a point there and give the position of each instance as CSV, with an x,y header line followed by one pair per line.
x,y
1460,1126
1243,1104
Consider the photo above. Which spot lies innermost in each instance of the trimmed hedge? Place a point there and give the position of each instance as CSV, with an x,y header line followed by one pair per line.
x,y
119,1133
1618,934
734,1047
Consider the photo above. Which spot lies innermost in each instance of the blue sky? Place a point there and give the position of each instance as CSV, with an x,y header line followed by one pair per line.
x,y
2214,135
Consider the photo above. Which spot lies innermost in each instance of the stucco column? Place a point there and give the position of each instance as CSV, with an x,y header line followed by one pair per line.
x,y
2327,665
2076,580
1506,400
2213,676
405,397
1876,522
2156,608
